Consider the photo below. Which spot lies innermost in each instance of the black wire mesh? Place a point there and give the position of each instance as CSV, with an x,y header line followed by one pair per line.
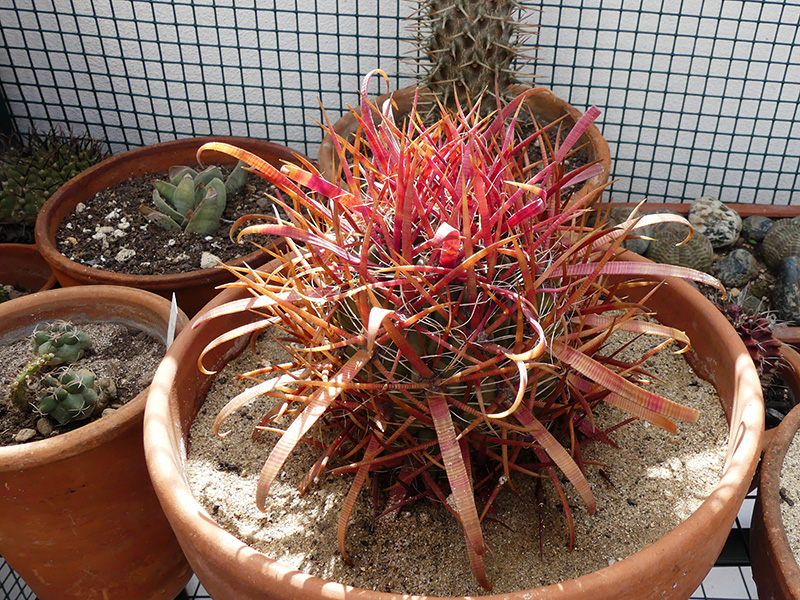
x,y
698,97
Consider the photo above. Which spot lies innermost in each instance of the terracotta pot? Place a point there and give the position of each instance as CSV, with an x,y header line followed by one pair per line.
x,y
775,570
789,370
673,567
193,289
22,266
545,105
78,515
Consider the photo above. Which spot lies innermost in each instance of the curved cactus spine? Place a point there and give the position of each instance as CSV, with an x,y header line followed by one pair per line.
x,y
30,173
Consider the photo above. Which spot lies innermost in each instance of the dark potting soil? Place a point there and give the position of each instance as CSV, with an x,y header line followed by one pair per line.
x,y
127,357
109,232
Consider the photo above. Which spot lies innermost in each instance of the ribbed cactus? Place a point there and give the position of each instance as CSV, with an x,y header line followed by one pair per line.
x,y
30,173
470,48
69,396
192,201
445,308
59,343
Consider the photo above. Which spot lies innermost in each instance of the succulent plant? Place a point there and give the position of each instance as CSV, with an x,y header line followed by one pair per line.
x,y
31,172
60,342
470,49
445,308
756,333
68,396
57,343
192,201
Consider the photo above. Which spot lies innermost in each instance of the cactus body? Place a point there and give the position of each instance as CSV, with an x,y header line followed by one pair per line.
x,y
60,343
70,396
31,173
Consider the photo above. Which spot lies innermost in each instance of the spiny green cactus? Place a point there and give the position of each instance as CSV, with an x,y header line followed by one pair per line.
x,y
70,396
192,201
60,343
30,173
468,48
55,344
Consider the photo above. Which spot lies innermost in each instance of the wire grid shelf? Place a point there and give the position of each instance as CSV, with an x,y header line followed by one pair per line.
x,y
698,97
730,579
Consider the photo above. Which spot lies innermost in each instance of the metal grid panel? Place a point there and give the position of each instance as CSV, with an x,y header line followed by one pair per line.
x,y
698,97
136,72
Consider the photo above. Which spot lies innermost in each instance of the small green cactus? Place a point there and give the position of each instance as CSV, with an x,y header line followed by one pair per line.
x,y
60,343
192,201
55,344
69,396
31,172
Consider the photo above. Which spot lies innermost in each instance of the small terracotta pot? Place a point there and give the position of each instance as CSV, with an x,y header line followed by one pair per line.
x,y
671,568
79,519
775,569
545,106
193,289
22,266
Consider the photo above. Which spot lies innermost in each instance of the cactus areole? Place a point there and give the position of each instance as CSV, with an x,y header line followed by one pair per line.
x,y
446,304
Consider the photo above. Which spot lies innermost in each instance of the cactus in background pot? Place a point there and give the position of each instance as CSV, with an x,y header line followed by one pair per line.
x,y
30,173
446,314
192,201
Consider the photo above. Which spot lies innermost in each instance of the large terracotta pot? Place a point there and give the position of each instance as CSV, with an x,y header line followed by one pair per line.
x,y
79,519
775,569
193,289
546,106
671,568
22,266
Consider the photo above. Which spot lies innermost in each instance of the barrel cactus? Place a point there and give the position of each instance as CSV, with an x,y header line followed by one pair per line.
x,y
69,396
192,201
31,172
446,305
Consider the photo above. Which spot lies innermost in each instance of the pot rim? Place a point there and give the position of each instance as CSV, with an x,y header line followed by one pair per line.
x,y
165,450
769,498
326,154
31,250
98,432
49,218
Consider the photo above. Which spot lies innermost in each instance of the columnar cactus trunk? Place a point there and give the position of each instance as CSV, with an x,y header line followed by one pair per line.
x,y
470,49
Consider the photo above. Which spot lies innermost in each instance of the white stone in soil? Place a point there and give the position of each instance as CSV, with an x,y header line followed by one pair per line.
x,y
209,261
719,223
25,435
125,255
